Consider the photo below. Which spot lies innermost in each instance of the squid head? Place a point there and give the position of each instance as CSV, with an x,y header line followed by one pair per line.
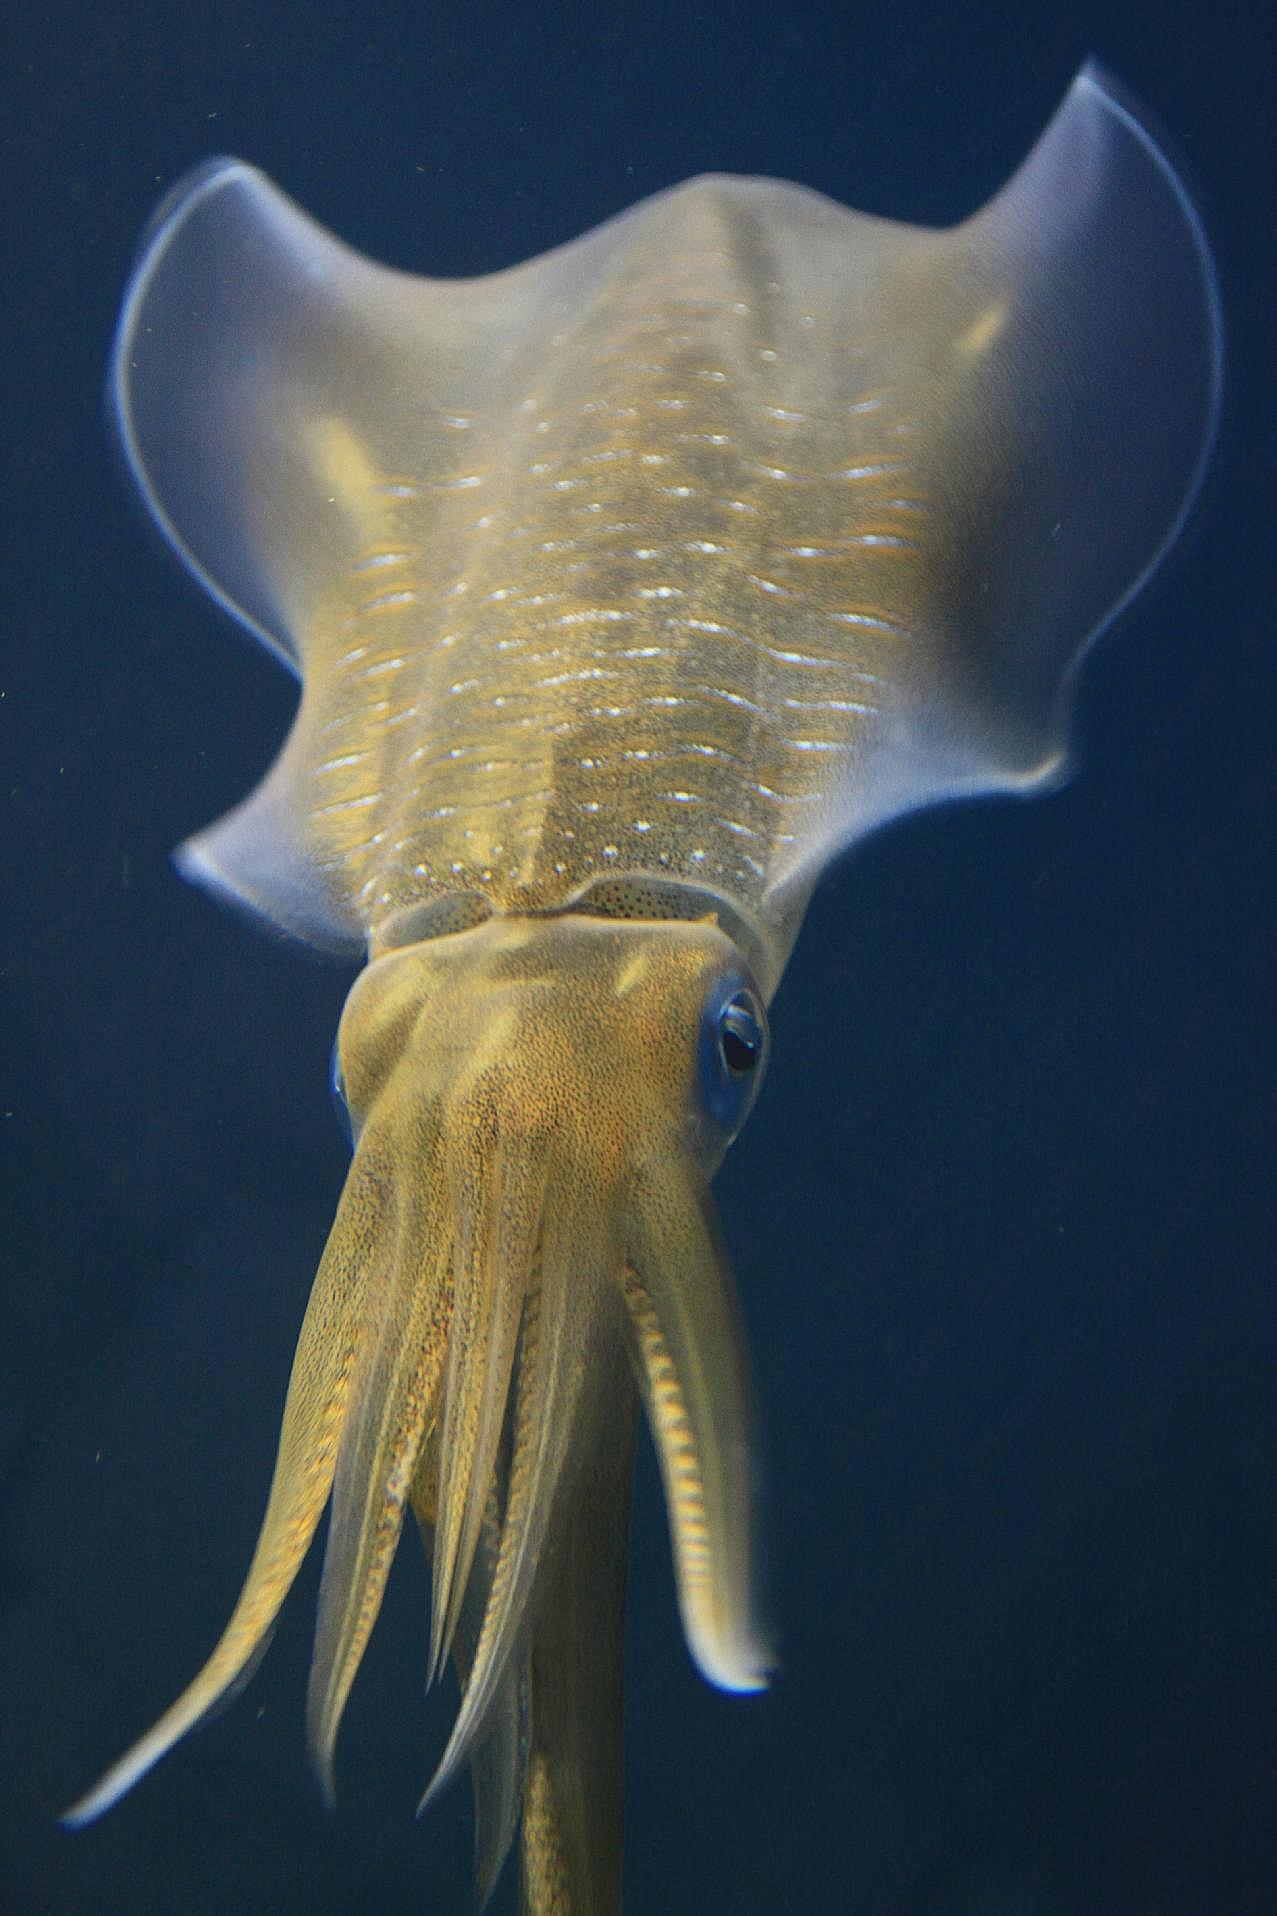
x,y
524,1236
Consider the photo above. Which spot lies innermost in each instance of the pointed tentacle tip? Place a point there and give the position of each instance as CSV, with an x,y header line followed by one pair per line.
x,y
458,1750
321,1739
434,1790
78,1815
740,1663
325,1782
106,1793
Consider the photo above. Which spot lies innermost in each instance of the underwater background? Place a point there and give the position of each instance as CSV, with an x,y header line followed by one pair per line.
x,y
1003,1222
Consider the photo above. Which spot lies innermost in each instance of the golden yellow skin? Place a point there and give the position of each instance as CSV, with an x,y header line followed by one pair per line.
x,y
626,588
527,1197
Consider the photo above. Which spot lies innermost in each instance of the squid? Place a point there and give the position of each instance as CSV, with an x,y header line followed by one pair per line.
x,y
626,589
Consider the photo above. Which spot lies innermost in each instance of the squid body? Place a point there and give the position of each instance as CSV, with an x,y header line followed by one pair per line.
x,y
626,588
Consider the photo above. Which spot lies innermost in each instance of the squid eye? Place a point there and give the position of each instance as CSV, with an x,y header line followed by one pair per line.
x,y
740,1035
733,1052
337,1092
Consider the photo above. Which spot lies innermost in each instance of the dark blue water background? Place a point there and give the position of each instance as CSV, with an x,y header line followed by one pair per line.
x,y
1003,1222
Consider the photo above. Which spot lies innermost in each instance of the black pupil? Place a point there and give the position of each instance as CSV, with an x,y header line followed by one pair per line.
x,y
739,1041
